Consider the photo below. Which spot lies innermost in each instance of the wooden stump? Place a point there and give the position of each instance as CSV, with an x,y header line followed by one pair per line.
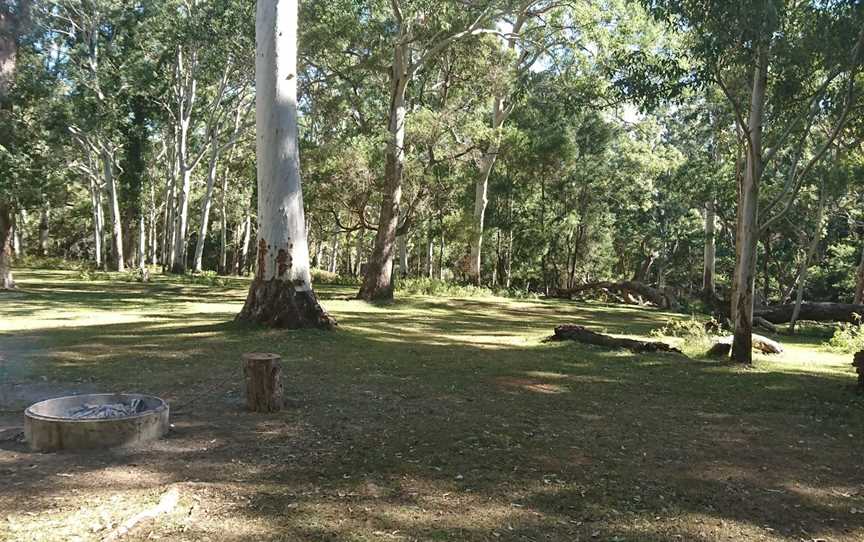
x,y
263,376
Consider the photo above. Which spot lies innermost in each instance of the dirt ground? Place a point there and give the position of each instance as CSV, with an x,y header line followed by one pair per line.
x,y
432,419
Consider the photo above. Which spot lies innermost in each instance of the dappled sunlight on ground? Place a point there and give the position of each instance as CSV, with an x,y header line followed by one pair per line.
x,y
424,419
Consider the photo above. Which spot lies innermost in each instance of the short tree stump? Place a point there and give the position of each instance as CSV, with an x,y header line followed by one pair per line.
x,y
262,374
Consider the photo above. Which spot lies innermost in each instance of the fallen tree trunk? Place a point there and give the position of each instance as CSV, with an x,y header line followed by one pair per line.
x,y
819,312
584,335
629,289
765,345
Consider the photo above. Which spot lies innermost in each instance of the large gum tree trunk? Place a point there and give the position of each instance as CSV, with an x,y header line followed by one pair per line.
x,y
281,293
747,230
98,223
377,282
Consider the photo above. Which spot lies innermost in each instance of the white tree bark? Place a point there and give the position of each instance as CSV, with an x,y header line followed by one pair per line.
x,y
402,241
206,204
747,230
114,205
281,294
98,222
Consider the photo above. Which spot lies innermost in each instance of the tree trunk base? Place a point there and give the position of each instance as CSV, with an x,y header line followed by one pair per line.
x,y
376,293
276,303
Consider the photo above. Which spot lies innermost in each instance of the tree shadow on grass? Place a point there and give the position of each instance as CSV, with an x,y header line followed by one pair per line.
x,y
426,422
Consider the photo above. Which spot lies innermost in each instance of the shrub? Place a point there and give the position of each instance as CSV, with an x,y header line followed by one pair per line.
x,y
848,338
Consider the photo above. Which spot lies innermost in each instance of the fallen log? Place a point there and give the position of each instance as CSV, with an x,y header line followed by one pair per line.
x,y
569,332
817,312
765,324
631,290
723,345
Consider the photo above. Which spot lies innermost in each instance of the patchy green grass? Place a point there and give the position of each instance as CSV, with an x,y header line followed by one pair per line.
x,y
426,419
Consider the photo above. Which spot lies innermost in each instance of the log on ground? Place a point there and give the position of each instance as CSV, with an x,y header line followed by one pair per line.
x,y
760,343
629,289
584,335
817,312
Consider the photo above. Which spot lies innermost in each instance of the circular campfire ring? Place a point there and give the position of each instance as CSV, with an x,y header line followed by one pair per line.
x,y
95,421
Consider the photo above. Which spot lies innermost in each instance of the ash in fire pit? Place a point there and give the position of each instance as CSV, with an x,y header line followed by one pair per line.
x,y
111,410
95,421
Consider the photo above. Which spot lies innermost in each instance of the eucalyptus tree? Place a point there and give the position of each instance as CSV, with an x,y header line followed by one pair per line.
x,y
281,293
13,17
421,32
784,67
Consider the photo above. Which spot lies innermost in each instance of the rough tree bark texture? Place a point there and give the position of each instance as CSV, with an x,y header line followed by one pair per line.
x,y
281,293
747,230
377,282
262,374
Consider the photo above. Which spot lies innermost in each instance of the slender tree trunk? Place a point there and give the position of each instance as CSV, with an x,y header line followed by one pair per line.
x,y
859,280
6,224
402,241
44,229
430,256
508,262
441,256
281,294
21,232
247,238
16,237
334,253
153,239
377,283
481,189
142,242
223,229
808,257
206,203
114,204
709,266
358,258
98,224
747,232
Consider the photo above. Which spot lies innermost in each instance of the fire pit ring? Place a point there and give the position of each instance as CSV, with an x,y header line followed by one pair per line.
x,y
66,423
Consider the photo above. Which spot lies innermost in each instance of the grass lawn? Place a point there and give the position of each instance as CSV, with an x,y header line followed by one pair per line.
x,y
427,419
